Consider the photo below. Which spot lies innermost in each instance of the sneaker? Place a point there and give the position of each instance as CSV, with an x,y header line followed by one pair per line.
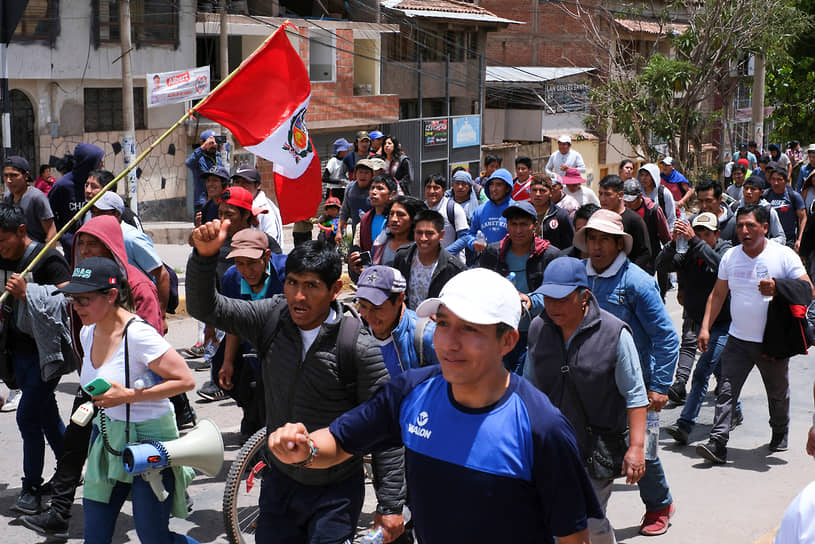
x,y
186,417
677,393
201,366
713,451
211,392
678,433
12,401
778,442
48,523
736,420
28,502
195,351
657,522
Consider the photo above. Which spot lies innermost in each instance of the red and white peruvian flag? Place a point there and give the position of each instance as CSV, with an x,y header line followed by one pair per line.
x,y
264,104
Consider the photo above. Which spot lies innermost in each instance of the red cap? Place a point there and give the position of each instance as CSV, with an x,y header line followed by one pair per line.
x,y
333,201
745,162
240,198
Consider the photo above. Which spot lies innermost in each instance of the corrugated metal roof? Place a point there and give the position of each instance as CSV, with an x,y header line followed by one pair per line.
x,y
651,27
446,9
530,74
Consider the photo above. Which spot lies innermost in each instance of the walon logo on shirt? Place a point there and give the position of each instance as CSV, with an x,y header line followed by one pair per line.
x,y
417,429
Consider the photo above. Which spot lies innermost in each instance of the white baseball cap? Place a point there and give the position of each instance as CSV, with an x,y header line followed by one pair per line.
x,y
479,296
564,139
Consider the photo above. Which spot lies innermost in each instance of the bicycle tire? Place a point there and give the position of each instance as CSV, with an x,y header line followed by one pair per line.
x,y
240,506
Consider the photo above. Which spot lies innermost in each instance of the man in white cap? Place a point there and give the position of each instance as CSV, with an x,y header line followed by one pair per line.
x,y
629,293
565,157
675,182
467,425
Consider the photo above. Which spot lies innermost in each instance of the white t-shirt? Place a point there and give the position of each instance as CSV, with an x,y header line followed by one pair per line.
x,y
269,222
309,336
798,524
459,217
747,306
583,195
145,345
420,277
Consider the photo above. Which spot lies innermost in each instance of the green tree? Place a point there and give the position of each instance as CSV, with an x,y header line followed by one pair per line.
x,y
668,93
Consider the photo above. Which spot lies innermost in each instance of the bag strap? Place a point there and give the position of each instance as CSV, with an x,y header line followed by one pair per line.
x,y
418,338
350,327
564,372
102,414
451,212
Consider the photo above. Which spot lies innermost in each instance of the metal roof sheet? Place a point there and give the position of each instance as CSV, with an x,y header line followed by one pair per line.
x,y
651,27
446,9
530,74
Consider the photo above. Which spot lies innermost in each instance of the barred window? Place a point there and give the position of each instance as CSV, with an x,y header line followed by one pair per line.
x,y
153,22
103,109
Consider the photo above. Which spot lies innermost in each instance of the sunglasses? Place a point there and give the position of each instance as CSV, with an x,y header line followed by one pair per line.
x,y
82,301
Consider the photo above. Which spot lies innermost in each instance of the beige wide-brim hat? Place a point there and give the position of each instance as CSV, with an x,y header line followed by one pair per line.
x,y
604,221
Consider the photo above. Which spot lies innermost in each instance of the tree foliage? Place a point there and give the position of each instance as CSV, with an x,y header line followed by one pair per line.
x,y
673,92
791,86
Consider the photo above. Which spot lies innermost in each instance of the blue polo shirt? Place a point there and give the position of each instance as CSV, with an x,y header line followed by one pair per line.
x,y
509,472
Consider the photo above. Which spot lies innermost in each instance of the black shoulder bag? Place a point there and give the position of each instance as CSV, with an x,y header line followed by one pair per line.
x,y
605,449
103,416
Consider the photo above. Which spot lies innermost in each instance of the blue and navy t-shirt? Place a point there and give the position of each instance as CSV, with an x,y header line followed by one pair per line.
x,y
509,472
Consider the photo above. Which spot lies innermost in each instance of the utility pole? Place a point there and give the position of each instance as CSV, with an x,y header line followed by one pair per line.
x,y
128,119
223,44
758,101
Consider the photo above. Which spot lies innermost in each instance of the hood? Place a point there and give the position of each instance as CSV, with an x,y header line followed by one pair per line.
x,y
108,230
539,245
487,186
86,158
653,170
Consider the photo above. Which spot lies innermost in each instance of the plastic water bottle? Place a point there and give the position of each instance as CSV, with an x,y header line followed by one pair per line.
x,y
763,274
480,238
147,380
681,243
374,536
651,435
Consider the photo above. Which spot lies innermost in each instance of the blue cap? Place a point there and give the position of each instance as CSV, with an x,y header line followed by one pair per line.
x,y
375,135
562,276
207,134
377,283
341,144
522,208
502,174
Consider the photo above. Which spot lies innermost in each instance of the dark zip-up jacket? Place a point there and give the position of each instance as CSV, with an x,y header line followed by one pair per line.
x,y
447,266
306,389
494,257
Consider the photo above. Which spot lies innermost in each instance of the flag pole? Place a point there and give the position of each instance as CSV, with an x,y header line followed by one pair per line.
x,y
88,205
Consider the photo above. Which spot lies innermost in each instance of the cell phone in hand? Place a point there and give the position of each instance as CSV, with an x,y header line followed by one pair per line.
x,y
97,387
365,258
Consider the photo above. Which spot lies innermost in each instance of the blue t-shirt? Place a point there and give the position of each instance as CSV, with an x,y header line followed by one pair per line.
x,y
509,472
377,224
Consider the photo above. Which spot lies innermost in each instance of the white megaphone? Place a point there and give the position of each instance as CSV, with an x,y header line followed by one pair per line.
x,y
202,448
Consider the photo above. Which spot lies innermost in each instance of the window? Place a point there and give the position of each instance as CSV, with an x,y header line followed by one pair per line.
x,y
103,109
40,21
321,55
153,22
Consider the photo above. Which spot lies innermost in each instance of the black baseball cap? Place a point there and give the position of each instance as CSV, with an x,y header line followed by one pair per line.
x,y
93,274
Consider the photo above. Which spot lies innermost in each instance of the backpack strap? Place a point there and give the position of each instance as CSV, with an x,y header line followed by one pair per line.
x,y
418,338
661,199
451,215
350,327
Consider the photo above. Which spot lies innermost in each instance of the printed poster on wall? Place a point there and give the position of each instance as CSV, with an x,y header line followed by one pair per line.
x,y
173,87
435,132
466,131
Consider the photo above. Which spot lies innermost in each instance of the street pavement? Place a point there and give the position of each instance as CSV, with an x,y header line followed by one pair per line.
x,y
741,502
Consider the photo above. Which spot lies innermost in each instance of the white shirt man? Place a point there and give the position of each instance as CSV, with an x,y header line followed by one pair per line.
x,y
565,157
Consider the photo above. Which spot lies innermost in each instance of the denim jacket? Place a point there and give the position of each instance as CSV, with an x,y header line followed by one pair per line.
x,y
628,292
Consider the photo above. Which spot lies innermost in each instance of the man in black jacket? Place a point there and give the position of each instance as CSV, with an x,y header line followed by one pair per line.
x,y
426,265
296,335
696,270
611,198
521,257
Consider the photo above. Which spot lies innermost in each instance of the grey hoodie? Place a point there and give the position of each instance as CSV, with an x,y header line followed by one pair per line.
x,y
670,205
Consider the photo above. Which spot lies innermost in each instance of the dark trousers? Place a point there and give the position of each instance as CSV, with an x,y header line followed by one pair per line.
x,y
738,359
293,513
69,465
687,350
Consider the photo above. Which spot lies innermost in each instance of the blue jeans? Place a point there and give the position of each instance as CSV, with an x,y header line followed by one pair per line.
x,y
653,486
708,364
293,513
151,516
37,417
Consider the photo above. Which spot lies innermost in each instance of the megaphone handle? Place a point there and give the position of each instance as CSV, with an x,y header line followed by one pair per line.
x,y
153,477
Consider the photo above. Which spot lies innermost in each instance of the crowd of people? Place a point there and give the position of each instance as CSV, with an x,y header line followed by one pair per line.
x,y
503,346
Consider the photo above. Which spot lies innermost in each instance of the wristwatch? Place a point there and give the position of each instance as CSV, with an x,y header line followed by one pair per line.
x,y
314,451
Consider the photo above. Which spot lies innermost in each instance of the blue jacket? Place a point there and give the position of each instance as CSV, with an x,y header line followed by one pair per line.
x,y
67,195
199,162
404,338
488,219
633,296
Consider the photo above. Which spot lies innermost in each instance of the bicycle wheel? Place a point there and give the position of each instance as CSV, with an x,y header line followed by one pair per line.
x,y
242,490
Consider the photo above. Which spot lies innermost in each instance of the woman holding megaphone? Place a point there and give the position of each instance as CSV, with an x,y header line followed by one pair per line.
x,y
121,350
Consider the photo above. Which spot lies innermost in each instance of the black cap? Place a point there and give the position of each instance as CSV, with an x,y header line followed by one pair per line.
x,y
17,162
93,274
247,172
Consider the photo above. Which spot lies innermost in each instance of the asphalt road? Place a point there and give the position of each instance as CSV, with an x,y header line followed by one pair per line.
x,y
741,502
